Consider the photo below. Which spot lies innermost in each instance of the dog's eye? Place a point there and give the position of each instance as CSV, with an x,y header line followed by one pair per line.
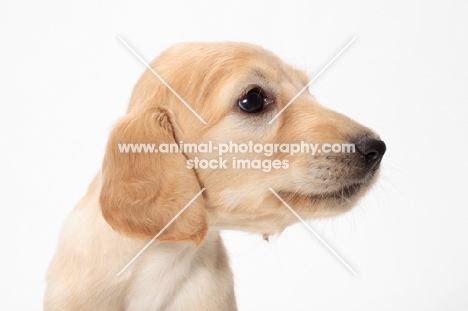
x,y
253,101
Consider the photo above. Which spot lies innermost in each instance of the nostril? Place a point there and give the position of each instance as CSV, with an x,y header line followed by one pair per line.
x,y
372,149
372,156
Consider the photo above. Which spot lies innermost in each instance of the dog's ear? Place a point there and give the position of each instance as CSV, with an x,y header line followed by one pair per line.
x,y
142,191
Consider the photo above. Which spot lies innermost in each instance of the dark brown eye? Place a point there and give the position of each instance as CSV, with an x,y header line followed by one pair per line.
x,y
253,101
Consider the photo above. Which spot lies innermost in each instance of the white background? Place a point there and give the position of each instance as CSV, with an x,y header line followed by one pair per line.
x,y
66,78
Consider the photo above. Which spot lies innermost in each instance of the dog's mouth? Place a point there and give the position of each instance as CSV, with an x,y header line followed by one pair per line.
x,y
349,191
345,193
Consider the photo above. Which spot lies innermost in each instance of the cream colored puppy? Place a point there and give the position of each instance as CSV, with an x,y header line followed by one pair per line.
x,y
237,89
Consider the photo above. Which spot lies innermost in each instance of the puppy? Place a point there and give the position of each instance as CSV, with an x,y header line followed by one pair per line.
x,y
238,90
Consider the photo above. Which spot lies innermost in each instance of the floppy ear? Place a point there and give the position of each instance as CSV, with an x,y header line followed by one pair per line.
x,y
142,191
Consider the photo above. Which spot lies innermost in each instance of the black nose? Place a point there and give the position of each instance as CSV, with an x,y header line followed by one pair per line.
x,y
372,149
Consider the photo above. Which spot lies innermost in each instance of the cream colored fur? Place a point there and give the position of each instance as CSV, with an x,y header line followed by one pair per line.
x,y
135,195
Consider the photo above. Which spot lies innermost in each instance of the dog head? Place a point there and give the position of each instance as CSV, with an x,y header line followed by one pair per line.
x,y
241,91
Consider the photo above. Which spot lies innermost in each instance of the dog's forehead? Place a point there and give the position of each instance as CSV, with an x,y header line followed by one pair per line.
x,y
241,57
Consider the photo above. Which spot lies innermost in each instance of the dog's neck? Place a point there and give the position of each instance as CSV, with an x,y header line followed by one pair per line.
x,y
183,277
